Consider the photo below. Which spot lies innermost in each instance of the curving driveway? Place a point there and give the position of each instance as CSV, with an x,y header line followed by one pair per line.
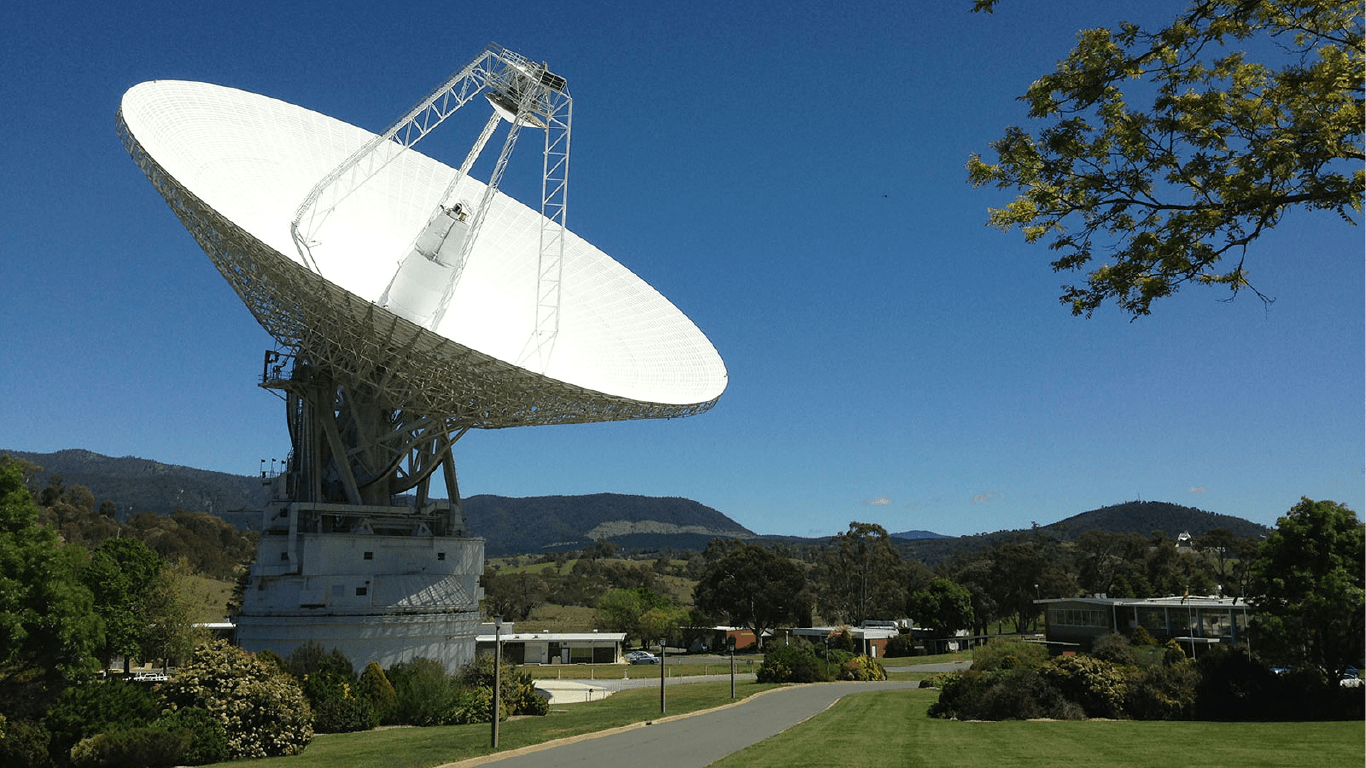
x,y
687,741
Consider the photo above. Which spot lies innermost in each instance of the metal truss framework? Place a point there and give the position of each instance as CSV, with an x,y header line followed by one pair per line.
x,y
524,93
403,393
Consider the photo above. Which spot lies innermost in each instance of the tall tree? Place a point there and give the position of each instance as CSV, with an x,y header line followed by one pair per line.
x,y
119,575
513,595
944,606
1307,585
1027,570
167,615
626,610
1175,191
47,617
862,576
753,586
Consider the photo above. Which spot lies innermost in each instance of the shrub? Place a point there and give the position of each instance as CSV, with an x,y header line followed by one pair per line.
x,y
25,745
1097,686
85,710
1114,648
1141,636
862,668
1163,692
1018,694
1004,654
936,680
478,676
329,682
901,645
424,694
1025,694
263,713
1173,652
208,741
375,687
146,747
794,663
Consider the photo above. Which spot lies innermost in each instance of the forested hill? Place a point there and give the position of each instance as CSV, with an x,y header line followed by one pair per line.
x,y
509,525
142,485
1141,517
1147,516
540,523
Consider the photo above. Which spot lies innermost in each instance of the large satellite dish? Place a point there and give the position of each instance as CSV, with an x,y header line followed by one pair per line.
x,y
409,300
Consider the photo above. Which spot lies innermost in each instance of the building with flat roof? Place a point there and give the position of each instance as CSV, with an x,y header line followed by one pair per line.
x,y
552,647
1190,620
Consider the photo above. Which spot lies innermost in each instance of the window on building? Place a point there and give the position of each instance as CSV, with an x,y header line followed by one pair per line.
x,y
440,555
361,591
369,556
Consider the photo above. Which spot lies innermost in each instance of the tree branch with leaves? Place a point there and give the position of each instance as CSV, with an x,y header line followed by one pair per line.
x,y
1175,192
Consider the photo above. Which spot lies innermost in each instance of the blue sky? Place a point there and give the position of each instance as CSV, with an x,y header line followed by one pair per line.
x,y
789,175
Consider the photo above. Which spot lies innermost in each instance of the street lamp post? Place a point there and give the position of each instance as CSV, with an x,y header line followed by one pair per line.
x,y
497,672
731,642
661,675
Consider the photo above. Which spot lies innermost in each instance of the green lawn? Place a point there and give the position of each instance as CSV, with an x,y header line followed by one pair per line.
x,y
422,747
891,728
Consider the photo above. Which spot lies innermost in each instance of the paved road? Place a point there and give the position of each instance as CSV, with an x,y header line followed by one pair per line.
x,y
619,684
697,740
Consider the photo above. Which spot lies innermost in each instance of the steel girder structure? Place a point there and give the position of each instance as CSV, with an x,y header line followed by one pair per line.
x,y
429,386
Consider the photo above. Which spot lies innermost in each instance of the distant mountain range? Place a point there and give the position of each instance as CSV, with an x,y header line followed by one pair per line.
x,y
559,523
918,535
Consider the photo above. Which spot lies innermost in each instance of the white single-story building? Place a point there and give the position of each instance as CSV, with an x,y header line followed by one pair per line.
x,y
552,647
869,640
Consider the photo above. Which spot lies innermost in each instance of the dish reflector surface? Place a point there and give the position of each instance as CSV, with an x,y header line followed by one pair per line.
x,y
235,166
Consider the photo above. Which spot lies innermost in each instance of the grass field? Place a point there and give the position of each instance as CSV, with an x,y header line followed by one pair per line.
x,y
891,728
872,729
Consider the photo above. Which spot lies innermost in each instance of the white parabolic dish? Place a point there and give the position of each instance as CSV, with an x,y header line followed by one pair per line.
x,y
235,167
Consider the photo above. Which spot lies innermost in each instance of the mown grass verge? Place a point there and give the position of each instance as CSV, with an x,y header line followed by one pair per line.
x,y
425,747
891,728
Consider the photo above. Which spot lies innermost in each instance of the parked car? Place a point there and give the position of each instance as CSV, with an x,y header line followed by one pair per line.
x,y
149,677
642,657
1350,678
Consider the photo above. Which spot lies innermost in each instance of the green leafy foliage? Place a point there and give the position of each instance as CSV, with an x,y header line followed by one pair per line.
x,y
375,686
1310,588
119,575
1163,691
902,645
861,576
1229,142
424,694
518,690
944,606
1003,654
83,711
793,663
1114,648
752,586
145,747
640,612
263,712
47,616
208,741
25,745
329,682
862,668
1099,687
